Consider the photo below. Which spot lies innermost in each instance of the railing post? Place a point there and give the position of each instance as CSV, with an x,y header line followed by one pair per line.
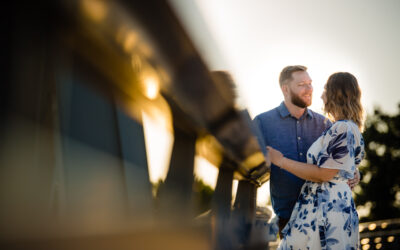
x,y
175,195
244,212
221,207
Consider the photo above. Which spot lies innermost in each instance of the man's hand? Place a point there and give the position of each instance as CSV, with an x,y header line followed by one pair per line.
x,y
353,182
275,156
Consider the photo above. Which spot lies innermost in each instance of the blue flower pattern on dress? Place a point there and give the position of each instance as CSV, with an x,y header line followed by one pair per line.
x,y
325,216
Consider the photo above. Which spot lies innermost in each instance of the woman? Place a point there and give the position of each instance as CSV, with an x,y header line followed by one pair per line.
x,y
324,216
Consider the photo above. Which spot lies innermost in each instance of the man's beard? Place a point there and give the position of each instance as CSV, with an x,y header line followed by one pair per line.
x,y
296,100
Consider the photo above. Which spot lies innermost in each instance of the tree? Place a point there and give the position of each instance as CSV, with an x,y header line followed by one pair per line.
x,y
380,185
202,195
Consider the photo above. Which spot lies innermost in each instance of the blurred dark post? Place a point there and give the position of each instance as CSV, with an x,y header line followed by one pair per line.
x,y
175,194
233,231
135,166
221,206
244,211
73,157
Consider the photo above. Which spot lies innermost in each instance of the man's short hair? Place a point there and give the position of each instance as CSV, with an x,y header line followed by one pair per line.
x,y
286,73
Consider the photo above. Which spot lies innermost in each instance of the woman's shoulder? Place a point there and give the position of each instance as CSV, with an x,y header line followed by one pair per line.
x,y
344,125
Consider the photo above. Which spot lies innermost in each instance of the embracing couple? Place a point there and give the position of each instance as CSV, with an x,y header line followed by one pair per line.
x,y
314,161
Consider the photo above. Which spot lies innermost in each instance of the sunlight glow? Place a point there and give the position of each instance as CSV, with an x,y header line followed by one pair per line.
x,y
263,195
95,9
257,39
158,148
205,171
130,40
258,82
152,87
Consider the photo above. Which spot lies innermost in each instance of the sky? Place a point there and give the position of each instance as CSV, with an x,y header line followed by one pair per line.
x,y
255,39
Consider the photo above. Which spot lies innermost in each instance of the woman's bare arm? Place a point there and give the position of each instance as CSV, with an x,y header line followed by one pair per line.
x,y
302,170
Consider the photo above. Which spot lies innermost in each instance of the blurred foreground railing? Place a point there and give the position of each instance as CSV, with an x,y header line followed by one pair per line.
x,y
383,234
79,75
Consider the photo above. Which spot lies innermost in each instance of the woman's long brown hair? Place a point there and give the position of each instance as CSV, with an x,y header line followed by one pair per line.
x,y
343,98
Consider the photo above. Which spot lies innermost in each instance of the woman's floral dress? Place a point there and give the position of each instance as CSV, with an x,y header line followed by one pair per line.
x,y
324,216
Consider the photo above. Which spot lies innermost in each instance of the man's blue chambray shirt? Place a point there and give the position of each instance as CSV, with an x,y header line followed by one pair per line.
x,y
293,137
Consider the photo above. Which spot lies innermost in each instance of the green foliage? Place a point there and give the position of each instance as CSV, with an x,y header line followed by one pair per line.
x,y
203,196
380,186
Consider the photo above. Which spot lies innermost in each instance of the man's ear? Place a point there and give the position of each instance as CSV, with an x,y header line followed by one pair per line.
x,y
285,89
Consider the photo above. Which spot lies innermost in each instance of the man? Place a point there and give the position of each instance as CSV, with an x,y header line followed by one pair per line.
x,y
291,128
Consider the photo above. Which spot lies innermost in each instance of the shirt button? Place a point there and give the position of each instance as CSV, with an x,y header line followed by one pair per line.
x,y
298,122
298,138
301,154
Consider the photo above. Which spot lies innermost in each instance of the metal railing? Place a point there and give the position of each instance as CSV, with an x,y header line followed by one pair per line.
x,y
382,234
80,74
